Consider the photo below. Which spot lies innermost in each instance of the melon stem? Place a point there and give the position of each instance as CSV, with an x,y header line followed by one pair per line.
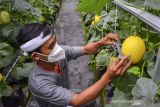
x,y
142,68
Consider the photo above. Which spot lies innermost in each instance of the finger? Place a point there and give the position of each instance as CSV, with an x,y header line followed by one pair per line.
x,y
116,62
110,43
121,67
119,71
39,56
34,56
113,36
121,62
126,67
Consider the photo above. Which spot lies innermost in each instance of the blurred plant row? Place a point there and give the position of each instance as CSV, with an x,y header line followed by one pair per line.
x,y
13,14
136,82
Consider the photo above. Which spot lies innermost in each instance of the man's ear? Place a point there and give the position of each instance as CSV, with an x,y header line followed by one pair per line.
x,y
35,56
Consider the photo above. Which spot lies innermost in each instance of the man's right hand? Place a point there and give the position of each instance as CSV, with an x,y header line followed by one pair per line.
x,y
118,67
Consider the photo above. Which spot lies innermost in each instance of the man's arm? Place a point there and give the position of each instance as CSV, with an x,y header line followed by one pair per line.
x,y
116,69
91,48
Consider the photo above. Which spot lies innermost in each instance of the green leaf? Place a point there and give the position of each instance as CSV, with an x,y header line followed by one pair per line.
x,y
102,58
24,6
149,56
5,61
6,52
158,92
22,59
21,5
134,70
150,68
154,38
92,63
91,6
7,31
21,72
5,49
3,45
145,91
5,90
94,39
125,83
88,18
118,98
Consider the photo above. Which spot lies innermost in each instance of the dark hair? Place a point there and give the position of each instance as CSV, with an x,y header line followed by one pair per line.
x,y
29,31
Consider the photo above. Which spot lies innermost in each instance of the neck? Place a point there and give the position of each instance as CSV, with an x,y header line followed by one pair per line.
x,y
47,66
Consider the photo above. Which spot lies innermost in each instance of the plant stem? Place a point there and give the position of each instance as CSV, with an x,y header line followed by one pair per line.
x,y
141,75
27,98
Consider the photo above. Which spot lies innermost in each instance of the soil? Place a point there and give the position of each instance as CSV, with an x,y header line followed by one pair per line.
x,y
69,32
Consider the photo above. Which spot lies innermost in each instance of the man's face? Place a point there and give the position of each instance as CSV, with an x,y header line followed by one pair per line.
x,y
45,49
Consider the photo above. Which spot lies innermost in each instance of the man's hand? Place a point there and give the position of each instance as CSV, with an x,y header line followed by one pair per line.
x,y
107,40
91,48
118,67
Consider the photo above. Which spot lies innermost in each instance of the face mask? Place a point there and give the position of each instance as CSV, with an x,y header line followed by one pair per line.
x,y
56,54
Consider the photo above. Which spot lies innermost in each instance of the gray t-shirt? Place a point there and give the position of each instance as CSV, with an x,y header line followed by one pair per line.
x,y
50,89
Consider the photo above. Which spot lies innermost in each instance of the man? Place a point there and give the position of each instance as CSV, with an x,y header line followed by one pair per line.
x,y
47,79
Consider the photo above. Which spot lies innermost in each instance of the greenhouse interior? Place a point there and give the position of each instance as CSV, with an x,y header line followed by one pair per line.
x,y
79,53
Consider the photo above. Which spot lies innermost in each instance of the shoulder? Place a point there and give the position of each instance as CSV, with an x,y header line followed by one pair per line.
x,y
39,78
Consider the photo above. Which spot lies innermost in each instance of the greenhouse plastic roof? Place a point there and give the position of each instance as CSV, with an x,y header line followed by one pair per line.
x,y
153,21
148,18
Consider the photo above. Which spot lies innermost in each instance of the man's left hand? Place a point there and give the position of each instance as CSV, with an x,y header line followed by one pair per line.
x,y
107,40
93,47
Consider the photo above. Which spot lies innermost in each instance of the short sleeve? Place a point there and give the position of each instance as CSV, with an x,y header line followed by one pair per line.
x,y
46,90
56,95
73,52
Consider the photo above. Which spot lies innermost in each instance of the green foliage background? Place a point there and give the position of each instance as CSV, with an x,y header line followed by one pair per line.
x,y
21,12
127,86
127,24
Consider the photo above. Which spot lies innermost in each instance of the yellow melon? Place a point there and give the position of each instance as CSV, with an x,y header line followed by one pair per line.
x,y
134,47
